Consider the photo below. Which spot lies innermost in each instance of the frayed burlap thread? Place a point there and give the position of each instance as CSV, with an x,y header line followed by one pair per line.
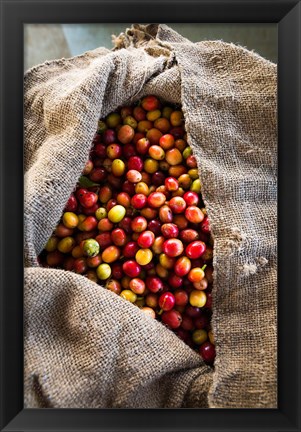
x,y
86,347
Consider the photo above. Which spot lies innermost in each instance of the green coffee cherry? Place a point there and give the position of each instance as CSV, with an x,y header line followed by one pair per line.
x,y
91,248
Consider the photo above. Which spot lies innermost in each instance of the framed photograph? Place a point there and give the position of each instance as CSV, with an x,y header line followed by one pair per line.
x,y
162,166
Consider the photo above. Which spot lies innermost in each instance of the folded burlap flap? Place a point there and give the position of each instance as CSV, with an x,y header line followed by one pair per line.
x,y
85,347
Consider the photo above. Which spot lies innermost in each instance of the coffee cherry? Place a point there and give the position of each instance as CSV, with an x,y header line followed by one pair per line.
x,y
165,214
118,167
125,134
161,271
137,286
128,295
171,184
166,301
91,248
154,226
173,156
55,258
139,224
154,284
101,213
194,215
131,268
116,214
110,254
211,337
142,146
80,265
142,188
195,249
114,151
175,281
196,274
172,318
153,135
199,336
150,103
173,247
93,261
146,239
177,205
201,321
51,244
130,249
149,312
144,256
134,176
119,237
109,136
201,285
156,199
139,201
71,205
207,351
205,226
176,118
193,311
150,165
143,230
170,230
196,186
181,297
189,235
156,152
66,244
114,286
105,224
139,113
131,121
103,271
105,194
197,298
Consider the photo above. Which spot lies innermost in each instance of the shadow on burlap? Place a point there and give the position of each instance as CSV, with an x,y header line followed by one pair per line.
x,y
85,347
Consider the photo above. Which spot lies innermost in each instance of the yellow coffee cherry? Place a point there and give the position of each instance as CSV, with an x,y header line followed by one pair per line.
x,y
193,173
199,336
166,261
117,213
197,298
118,167
144,256
142,188
52,243
66,244
153,115
151,165
128,295
103,271
196,186
70,220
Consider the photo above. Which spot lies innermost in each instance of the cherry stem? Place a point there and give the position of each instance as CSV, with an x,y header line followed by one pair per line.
x,y
204,266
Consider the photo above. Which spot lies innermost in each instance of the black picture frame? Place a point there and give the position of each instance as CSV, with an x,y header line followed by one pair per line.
x,y
15,13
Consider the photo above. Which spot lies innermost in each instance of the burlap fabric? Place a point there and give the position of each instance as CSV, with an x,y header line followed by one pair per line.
x,y
85,347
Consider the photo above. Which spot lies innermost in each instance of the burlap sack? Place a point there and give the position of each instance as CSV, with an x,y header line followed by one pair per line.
x,y
85,347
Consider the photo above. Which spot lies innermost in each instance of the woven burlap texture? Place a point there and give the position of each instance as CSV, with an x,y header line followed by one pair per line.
x,y
85,346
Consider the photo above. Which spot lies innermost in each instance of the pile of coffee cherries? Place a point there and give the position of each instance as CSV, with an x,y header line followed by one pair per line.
x,y
136,222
